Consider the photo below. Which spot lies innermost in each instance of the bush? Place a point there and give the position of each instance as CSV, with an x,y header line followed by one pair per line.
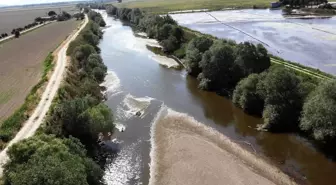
x,y
194,51
169,45
51,13
80,118
164,32
252,59
283,101
64,16
218,68
90,38
17,34
246,95
319,112
82,52
50,161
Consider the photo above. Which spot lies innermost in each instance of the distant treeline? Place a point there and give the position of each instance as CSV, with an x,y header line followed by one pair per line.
x,y
288,101
41,20
61,151
302,3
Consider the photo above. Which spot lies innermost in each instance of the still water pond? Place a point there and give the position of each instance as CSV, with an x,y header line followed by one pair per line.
x,y
311,42
136,82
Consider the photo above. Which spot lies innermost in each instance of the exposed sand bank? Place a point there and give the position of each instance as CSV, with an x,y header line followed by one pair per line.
x,y
165,61
187,152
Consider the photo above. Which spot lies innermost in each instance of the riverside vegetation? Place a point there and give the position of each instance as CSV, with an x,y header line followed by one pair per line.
x,y
61,150
287,100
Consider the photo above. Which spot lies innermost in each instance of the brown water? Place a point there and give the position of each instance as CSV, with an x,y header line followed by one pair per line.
x,y
136,82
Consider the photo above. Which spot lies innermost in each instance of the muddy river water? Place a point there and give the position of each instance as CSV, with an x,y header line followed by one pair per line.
x,y
136,82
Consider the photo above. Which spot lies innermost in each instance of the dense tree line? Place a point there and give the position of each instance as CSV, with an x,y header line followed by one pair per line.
x,y
58,154
162,28
16,32
302,3
97,17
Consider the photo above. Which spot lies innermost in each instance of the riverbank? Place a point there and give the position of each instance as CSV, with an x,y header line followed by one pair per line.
x,y
185,151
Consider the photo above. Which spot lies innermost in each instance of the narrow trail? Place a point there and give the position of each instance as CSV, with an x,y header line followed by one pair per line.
x,y
36,119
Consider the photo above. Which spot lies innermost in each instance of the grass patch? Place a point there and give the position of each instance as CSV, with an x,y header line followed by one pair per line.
x,y
164,6
6,96
48,65
11,125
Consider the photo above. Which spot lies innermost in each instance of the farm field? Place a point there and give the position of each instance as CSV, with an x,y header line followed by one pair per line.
x,y
19,17
21,62
163,6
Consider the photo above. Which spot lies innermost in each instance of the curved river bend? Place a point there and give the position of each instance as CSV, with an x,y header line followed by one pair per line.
x,y
136,82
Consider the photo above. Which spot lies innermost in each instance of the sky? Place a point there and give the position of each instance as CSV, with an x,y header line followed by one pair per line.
x,y
21,2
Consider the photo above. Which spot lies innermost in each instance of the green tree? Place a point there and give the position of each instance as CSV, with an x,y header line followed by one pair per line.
x,y
252,59
82,52
99,74
194,52
170,45
51,13
48,160
164,32
246,95
91,38
218,69
319,112
283,101
80,118
17,34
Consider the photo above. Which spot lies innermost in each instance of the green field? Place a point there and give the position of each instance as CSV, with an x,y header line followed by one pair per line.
x,y
164,6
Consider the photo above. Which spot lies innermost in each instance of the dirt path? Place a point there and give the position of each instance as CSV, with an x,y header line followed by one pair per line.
x,y
187,152
39,113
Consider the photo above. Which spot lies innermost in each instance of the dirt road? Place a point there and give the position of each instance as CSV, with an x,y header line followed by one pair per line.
x,y
39,113
187,152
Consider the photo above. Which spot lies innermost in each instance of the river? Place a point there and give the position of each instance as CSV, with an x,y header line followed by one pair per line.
x,y
137,82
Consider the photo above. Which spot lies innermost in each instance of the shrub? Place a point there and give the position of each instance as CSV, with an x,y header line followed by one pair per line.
x,y
252,59
50,161
17,34
51,13
194,51
283,102
164,32
80,118
319,112
218,68
82,52
169,45
246,95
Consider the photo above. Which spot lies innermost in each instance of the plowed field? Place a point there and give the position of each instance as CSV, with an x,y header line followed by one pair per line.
x,y
21,62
